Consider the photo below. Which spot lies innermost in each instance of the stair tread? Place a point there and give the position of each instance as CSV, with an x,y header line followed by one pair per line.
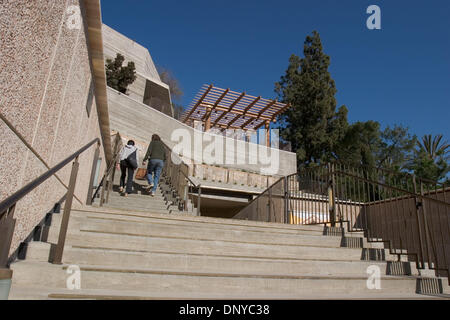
x,y
218,256
203,219
195,273
107,294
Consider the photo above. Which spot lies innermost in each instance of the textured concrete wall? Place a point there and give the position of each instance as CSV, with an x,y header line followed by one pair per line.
x,y
115,42
134,119
147,87
47,98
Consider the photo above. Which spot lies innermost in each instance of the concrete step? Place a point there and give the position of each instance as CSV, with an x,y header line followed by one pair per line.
x,y
204,221
171,210
39,251
42,293
145,208
151,207
134,204
143,255
167,228
139,195
174,281
122,241
146,228
180,222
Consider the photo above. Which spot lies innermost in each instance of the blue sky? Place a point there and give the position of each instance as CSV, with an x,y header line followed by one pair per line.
x,y
397,75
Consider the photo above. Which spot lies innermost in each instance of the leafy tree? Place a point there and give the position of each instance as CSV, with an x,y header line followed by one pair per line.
x,y
176,93
396,148
360,145
319,133
119,77
433,146
312,124
431,158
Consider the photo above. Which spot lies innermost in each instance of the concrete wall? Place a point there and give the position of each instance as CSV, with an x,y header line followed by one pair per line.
x,y
115,42
148,87
134,119
47,104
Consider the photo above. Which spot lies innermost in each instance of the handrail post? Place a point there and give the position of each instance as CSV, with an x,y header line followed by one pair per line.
x,y
428,240
185,196
59,249
331,195
7,224
105,182
93,170
199,199
110,182
419,225
110,179
269,212
286,200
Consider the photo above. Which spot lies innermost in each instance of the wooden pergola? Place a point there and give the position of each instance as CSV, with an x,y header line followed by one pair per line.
x,y
226,109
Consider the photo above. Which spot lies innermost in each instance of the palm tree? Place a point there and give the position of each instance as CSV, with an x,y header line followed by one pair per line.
x,y
433,147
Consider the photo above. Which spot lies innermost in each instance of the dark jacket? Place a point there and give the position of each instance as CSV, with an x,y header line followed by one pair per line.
x,y
155,150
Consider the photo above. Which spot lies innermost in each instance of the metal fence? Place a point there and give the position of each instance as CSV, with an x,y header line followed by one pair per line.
x,y
410,215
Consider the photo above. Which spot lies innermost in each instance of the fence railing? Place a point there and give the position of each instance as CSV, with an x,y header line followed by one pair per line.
x,y
177,173
8,205
106,183
409,214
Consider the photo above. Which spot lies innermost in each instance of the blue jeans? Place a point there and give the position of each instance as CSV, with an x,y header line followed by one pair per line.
x,y
154,166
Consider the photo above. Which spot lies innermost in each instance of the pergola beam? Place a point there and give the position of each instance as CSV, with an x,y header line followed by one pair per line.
x,y
251,104
247,122
245,111
260,125
239,112
199,101
223,108
217,102
267,107
280,111
229,109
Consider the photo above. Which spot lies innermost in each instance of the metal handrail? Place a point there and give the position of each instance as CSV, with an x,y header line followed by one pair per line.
x,y
197,186
15,197
410,193
182,162
108,172
369,167
7,206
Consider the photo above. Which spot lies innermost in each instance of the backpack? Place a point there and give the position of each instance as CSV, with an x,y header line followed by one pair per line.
x,y
131,160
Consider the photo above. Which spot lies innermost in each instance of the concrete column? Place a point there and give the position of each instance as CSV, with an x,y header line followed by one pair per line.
x,y
248,135
267,125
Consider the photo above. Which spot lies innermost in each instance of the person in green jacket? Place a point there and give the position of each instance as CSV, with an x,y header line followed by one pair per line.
x,y
156,154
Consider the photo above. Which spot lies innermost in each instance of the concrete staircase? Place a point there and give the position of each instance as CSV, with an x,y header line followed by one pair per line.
x,y
138,248
163,201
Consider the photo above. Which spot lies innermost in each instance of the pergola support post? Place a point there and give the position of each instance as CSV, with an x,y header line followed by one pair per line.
x,y
208,119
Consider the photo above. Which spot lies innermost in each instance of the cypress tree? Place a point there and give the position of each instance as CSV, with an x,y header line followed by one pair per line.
x,y
312,124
